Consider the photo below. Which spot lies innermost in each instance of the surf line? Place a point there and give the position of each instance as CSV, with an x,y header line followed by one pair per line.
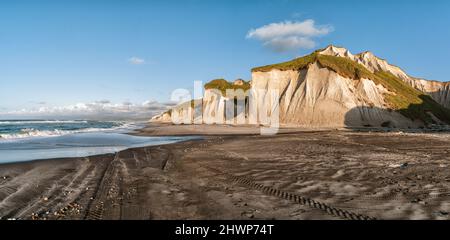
x,y
186,230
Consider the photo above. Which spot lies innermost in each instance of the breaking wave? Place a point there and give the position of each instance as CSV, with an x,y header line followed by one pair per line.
x,y
20,129
26,133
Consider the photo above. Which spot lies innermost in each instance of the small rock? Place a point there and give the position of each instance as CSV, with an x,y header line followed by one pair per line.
x,y
423,202
419,177
443,213
45,199
166,192
404,165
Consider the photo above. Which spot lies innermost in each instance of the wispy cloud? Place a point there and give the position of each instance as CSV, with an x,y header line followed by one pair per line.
x,y
289,36
136,61
102,109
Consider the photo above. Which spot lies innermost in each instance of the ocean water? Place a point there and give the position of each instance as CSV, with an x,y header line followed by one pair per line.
x,y
15,129
22,140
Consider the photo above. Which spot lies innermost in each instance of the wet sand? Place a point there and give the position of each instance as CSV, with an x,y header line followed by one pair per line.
x,y
235,173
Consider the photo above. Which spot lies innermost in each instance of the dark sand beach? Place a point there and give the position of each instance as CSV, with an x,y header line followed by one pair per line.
x,y
235,173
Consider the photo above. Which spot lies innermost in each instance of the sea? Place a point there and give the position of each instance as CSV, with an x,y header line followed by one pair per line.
x,y
25,140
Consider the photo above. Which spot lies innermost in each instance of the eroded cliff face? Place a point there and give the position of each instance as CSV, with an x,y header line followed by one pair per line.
x,y
211,109
164,117
318,97
315,95
312,97
439,91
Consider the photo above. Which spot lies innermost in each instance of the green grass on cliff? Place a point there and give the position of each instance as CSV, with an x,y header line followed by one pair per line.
x,y
409,101
296,64
343,66
223,85
403,98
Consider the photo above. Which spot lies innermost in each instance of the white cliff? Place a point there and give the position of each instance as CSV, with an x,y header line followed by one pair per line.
x,y
311,94
319,97
439,91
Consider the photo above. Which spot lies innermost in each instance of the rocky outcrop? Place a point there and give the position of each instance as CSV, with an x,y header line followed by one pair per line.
x,y
163,117
239,82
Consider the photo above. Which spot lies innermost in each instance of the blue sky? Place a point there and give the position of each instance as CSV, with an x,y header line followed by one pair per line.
x,y
134,53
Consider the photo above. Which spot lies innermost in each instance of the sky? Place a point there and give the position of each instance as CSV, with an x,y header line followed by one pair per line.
x,y
72,57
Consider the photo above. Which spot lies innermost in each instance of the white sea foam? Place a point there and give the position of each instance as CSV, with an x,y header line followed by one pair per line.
x,y
26,133
41,122
31,132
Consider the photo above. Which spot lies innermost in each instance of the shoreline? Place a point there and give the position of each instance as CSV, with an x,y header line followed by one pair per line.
x,y
80,144
218,133
359,172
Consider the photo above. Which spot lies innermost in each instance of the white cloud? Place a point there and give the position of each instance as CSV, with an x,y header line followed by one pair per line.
x,y
288,35
290,43
136,61
103,109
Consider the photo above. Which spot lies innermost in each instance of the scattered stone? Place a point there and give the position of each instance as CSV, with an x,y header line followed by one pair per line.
x,y
70,209
45,199
404,165
443,213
